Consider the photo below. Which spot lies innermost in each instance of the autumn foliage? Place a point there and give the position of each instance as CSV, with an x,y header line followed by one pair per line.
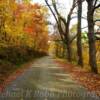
x,y
23,32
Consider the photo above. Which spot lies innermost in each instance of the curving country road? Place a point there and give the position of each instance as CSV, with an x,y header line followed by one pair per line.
x,y
45,80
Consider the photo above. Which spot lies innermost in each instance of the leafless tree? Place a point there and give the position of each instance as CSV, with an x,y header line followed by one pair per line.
x,y
92,6
59,20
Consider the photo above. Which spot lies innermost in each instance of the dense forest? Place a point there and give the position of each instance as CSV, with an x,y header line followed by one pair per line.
x,y
23,33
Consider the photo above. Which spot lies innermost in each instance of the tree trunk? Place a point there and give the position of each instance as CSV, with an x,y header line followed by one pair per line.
x,y
91,37
69,53
79,42
67,38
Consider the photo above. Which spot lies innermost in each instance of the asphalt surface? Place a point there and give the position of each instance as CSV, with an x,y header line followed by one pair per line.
x,y
45,80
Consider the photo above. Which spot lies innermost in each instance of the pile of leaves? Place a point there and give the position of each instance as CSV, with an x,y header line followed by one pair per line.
x,y
88,79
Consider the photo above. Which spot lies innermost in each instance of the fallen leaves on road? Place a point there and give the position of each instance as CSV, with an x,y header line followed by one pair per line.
x,y
8,79
88,79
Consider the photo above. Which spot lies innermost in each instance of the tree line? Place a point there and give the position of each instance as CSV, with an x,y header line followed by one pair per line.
x,y
92,6
23,31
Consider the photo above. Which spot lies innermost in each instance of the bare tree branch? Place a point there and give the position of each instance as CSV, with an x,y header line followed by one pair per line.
x,y
95,3
97,6
73,38
51,10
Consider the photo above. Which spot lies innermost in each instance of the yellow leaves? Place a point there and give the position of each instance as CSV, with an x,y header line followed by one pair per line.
x,y
30,42
25,24
13,5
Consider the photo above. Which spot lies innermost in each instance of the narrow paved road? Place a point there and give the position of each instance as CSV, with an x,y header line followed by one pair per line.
x,y
45,80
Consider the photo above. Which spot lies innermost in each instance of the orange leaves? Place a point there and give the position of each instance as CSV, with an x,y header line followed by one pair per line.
x,y
35,24
28,30
25,24
89,80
